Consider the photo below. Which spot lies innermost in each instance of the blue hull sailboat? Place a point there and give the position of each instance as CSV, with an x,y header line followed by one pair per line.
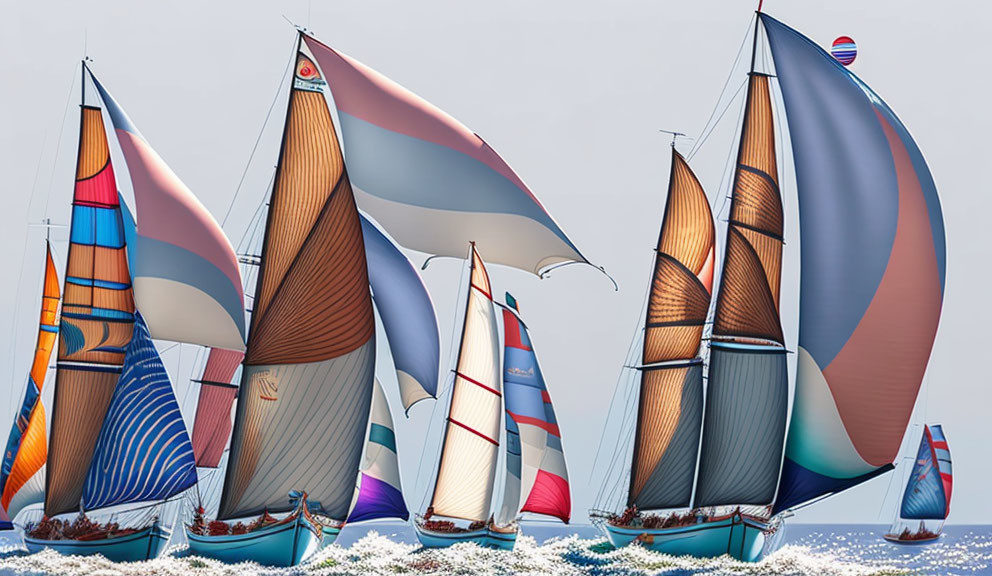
x,y
143,544
716,470
285,542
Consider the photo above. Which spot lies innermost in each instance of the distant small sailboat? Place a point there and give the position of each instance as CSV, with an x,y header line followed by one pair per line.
x,y
117,435
22,479
927,497
536,479
872,264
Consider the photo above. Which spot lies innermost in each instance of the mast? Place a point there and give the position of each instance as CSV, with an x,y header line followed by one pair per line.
x,y
467,469
747,392
305,351
670,402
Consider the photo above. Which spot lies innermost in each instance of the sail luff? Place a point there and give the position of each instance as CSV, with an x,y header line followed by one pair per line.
x,y
97,317
467,469
312,338
21,482
669,412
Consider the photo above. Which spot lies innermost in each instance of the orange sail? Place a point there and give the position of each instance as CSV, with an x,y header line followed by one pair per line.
x,y
20,481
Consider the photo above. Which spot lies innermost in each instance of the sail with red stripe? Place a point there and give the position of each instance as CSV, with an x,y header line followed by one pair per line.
x,y
928,490
467,470
536,475
22,480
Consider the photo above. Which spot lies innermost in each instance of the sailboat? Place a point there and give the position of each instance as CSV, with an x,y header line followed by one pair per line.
x,y
870,292
117,436
928,491
22,479
536,478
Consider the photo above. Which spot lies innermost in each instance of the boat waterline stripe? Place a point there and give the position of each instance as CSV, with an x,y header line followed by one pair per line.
x,y
473,431
477,383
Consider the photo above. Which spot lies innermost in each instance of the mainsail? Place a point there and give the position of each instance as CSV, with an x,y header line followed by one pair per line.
x,y
407,315
143,453
445,185
872,274
378,494
465,475
312,339
536,476
748,387
928,491
21,479
97,318
187,283
212,423
670,406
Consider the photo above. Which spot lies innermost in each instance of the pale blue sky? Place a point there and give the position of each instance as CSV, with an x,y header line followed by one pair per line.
x,y
571,94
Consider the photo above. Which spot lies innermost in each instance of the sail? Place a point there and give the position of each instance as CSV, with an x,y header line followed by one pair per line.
x,y
311,347
97,319
747,391
670,403
212,423
143,453
187,283
533,436
22,481
465,475
928,491
445,185
407,315
379,494
872,273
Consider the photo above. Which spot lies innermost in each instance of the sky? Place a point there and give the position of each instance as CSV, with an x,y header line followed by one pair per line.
x,y
572,94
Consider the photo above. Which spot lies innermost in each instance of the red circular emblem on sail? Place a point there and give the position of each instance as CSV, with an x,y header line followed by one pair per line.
x,y
306,70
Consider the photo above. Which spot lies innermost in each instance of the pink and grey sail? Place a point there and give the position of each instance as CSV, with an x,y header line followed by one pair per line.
x,y
444,186
212,423
186,277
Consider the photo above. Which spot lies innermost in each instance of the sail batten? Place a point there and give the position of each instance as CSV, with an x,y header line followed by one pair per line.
x,y
467,469
670,403
97,319
312,338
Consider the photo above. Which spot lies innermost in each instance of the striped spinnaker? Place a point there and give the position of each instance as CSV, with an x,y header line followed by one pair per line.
x,y
187,283
670,403
872,272
537,480
311,347
143,453
467,471
22,480
928,489
379,493
97,319
431,182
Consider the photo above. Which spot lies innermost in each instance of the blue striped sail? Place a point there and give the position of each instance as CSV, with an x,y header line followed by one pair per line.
x,y
143,452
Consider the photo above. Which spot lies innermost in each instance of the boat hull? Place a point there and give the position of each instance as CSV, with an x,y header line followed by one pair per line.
x,y
330,535
894,538
429,539
739,537
287,543
143,545
501,540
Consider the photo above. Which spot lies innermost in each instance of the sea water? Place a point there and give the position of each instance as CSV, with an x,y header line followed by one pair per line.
x,y
553,550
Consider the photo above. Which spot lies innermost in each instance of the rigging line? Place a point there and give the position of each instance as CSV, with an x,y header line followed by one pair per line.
x,y
58,143
699,143
265,123
707,135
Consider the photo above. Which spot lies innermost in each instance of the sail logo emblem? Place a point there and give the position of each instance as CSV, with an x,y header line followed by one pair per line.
x,y
268,385
519,372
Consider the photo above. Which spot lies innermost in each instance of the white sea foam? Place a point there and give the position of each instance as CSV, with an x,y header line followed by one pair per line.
x,y
377,555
